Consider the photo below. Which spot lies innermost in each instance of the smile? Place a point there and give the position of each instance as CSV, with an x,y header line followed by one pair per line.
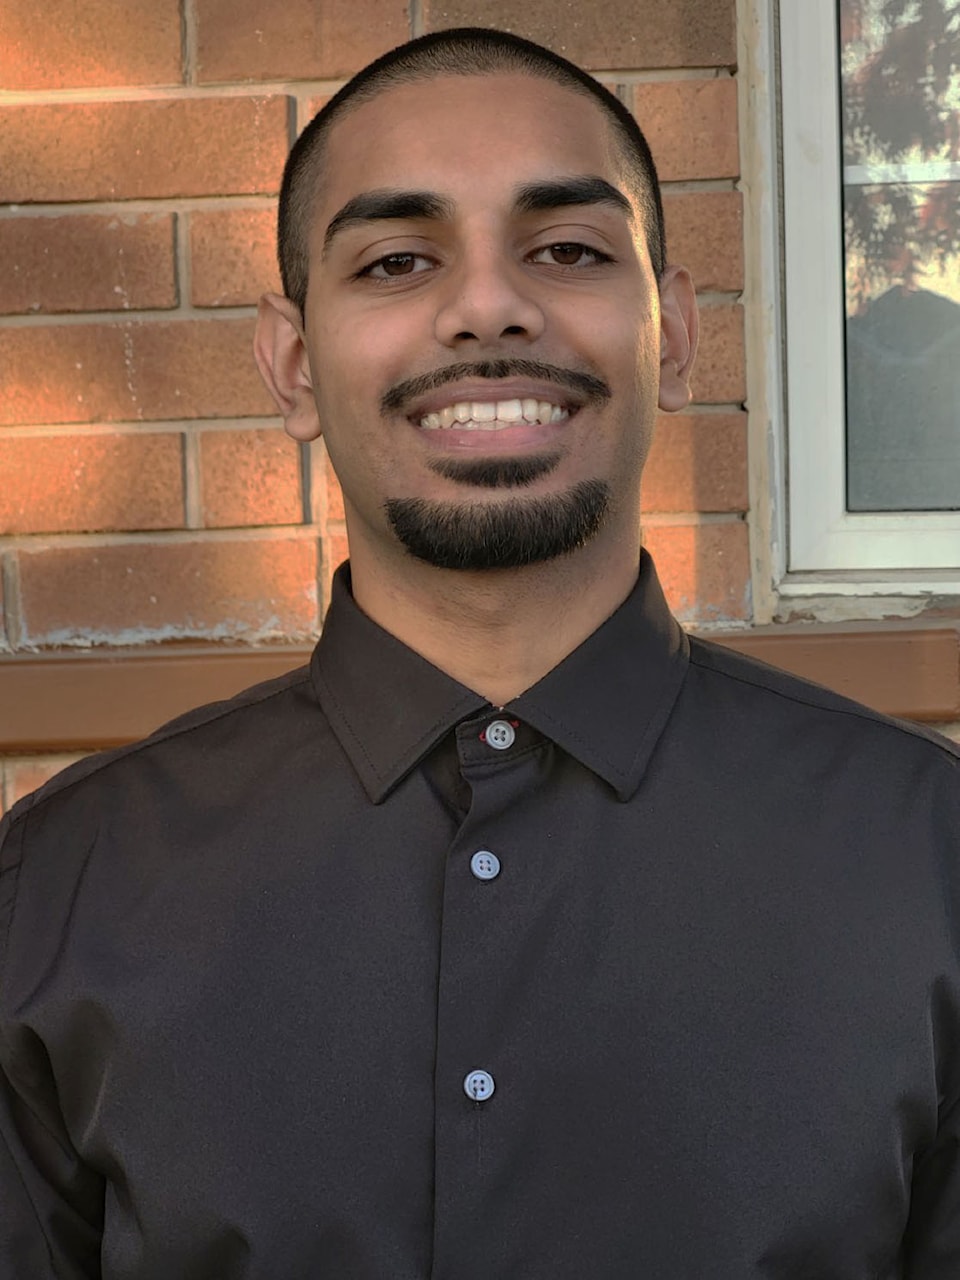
x,y
494,415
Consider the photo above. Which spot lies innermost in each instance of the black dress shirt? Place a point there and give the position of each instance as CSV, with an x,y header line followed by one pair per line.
x,y
692,1014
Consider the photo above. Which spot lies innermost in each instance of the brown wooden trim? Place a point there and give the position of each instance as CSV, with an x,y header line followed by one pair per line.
x,y
87,700
83,701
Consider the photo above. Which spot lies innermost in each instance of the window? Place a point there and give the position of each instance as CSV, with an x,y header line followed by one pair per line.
x,y
871,190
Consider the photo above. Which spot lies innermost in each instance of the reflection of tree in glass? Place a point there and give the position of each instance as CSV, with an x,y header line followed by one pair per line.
x,y
901,105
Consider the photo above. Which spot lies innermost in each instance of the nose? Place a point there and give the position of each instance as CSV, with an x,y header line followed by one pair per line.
x,y
488,297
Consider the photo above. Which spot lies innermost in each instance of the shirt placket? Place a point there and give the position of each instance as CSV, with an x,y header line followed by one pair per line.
x,y
482,904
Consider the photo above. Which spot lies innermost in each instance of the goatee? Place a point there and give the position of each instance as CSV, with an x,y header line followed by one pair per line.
x,y
501,535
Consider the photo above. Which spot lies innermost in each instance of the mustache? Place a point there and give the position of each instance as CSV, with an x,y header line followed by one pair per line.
x,y
587,385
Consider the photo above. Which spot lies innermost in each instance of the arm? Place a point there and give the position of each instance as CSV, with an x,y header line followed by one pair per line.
x,y
932,1239
51,1206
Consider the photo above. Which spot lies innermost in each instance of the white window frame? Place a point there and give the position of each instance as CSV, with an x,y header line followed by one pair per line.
x,y
824,538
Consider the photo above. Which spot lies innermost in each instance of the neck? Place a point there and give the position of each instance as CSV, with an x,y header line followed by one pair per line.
x,y
496,632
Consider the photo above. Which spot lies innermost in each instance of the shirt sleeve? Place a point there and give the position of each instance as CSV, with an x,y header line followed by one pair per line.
x,y
51,1205
932,1239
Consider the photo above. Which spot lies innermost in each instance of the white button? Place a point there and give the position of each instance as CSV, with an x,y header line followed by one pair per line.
x,y
479,1085
485,865
500,735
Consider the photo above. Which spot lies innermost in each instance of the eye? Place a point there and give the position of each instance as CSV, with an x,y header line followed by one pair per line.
x,y
569,254
394,265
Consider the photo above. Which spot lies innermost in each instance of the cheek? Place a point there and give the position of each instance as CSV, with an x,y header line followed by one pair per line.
x,y
644,356
346,386
364,359
620,334
382,331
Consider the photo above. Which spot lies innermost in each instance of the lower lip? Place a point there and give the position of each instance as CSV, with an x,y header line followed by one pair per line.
x,y
513,439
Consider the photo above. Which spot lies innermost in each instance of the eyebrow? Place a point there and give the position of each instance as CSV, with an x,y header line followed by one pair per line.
x,y
381,206
537,197
532,197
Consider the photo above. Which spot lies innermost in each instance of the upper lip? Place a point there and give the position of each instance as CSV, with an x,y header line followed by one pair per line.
x,y
485,391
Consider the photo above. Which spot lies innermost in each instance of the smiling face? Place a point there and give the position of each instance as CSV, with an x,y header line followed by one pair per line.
x,y
482,338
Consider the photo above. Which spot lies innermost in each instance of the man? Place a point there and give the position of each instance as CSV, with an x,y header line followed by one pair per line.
x,y
519,937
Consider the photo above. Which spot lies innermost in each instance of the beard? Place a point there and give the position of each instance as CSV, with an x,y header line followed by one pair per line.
x,y
502,535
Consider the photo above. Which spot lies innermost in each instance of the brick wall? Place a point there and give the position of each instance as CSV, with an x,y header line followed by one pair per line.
x,y
147,492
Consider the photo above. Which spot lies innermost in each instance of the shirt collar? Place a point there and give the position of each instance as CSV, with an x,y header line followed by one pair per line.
x,y
606,704
609,701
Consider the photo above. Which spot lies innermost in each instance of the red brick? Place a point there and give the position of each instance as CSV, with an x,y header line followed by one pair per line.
x,y
698,462
705,570
705,234
57,484
26,775
233,256
242,590
134,150
298,40
250,478
131,370
616,33
88,262
719,375
63,44
691,126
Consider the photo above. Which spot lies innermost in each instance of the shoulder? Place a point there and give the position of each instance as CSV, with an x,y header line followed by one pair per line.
x,y
773,696
240,722
120,813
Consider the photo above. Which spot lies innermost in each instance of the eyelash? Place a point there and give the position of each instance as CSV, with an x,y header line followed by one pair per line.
x,y
367,271
599,259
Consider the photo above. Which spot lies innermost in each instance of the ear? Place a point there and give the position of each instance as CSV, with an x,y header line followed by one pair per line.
x,y
679,333
281,355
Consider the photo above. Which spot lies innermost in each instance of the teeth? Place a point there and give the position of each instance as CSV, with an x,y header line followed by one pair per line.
x,y
510,411
493,415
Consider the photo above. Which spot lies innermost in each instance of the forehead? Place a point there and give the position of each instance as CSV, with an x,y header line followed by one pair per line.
x,y
469,136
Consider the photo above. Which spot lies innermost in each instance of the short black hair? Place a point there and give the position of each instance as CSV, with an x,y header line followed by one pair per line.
x,y
465,51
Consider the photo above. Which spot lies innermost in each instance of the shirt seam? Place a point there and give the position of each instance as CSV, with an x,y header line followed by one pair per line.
x,y
344,719
163,734
624,778
41,1226
945,1111
424,742
17,831
586,747
495,765
852,707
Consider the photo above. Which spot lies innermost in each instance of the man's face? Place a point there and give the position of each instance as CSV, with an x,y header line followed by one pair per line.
x,y
482,325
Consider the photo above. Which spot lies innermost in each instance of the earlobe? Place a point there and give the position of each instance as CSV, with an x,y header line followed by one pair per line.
x,y
679,333
281,355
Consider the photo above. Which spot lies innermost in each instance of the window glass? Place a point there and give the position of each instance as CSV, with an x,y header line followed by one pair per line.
x,y
900,100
